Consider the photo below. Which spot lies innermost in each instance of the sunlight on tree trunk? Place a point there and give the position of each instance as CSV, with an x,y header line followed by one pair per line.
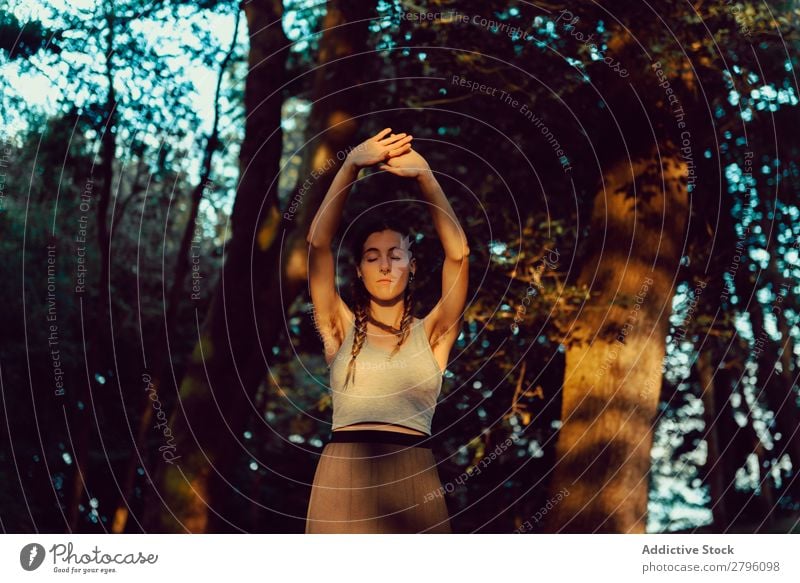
x,y
613,375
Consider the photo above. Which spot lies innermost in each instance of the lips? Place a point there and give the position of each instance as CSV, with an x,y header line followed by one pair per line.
x,y
384,281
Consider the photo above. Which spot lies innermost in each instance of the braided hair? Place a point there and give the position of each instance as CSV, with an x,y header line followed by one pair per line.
x,y
361,297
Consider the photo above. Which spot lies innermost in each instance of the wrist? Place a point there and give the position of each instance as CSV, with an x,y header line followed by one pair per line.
x,y
349,166
426,177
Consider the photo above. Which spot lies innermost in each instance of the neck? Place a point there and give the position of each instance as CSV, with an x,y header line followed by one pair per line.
x,y
389,313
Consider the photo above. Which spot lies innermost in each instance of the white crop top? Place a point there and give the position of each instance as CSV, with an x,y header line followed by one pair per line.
x,y
402,390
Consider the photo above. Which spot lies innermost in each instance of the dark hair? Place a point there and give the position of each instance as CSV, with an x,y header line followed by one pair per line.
x,y
360,296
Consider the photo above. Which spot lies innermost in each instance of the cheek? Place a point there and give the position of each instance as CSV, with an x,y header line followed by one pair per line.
x,y
400,267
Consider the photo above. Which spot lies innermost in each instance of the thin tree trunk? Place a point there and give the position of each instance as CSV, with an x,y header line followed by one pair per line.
x,y
338,97
732,448
612,380
245,319
80,418
781,393
160,361
785,401
714,470
180,500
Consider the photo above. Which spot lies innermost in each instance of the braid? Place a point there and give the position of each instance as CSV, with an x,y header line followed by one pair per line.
x,y
405,322
360,333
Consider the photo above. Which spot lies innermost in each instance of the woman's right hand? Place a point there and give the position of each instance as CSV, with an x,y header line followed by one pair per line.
x,y
379,148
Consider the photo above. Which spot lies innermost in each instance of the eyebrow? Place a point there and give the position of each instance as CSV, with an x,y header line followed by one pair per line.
x,y
376,249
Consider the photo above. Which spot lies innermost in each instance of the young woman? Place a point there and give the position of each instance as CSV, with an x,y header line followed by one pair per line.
x,y
377,473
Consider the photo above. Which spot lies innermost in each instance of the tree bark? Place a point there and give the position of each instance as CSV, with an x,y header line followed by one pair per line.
x,y
714,470
180,499
614,358
246,317
338,99
97,353
160,360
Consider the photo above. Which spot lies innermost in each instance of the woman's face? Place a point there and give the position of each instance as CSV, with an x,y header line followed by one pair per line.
x,y
386,263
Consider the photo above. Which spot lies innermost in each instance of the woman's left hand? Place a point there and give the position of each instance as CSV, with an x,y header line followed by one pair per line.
x,y
408,165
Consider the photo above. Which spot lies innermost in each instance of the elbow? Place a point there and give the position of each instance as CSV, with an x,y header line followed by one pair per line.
x,y
459,257
313,242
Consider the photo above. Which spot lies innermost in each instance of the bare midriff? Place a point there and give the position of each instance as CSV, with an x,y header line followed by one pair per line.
x,y
381,427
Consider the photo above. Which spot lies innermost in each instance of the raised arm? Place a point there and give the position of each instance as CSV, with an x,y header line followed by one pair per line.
x,y
446,314
329,308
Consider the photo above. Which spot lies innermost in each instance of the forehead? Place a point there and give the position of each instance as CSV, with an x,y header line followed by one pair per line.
x,y
386,240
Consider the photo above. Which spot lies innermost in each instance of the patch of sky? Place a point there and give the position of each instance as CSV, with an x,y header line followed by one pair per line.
x,y
300,18
678,498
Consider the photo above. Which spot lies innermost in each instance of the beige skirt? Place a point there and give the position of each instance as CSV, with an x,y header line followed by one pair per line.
x,y
366,486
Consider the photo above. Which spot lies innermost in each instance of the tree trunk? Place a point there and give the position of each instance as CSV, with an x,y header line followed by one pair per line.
x,y
714,470
781,392
784,399
246,316
97,343
338,98
160,361
181,501
613,361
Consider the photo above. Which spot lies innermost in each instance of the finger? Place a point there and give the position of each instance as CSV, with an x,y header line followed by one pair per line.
x,y
401,142
389,169
393,138
399,151
380,135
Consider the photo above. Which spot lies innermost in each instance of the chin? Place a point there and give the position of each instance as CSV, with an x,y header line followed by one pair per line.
x,y
384,294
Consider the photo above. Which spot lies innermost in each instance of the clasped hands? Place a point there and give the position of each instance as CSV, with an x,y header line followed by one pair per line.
x,y
392,152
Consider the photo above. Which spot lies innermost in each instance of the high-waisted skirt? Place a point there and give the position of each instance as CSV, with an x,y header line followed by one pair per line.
x,y
377,481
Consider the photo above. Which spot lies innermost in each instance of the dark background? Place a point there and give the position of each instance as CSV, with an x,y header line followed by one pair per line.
x,y
151,151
